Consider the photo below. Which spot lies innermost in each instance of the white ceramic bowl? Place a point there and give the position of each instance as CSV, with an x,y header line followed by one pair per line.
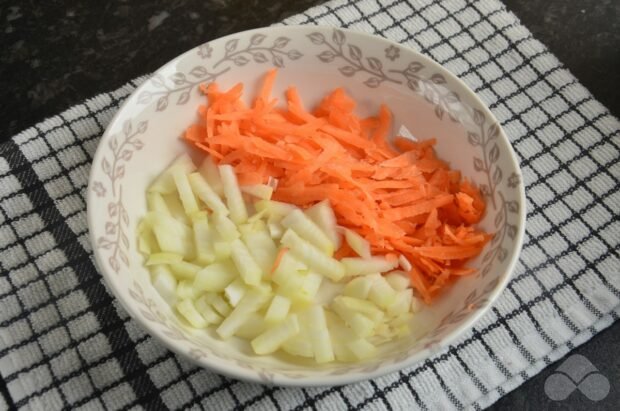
x,y
428,100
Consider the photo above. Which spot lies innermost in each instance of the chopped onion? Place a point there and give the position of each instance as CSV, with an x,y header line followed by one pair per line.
x,y
218,267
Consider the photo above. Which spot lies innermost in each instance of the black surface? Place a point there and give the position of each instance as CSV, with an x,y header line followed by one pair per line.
x,y
55,54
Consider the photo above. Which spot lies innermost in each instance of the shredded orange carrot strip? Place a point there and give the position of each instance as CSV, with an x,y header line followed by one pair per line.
x,y
448,252
278,259
399,196
345,250
422,207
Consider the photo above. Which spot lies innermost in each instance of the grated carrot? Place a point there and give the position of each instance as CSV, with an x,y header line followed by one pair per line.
x,y
399,196
278,259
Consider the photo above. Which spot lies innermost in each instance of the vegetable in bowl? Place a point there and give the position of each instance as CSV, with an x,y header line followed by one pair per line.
x,y
143,138
381,226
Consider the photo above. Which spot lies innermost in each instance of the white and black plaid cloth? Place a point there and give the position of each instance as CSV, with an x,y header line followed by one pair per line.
x,y
65,342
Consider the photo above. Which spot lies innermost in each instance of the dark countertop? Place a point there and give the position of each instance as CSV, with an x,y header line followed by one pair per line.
x,y
53,56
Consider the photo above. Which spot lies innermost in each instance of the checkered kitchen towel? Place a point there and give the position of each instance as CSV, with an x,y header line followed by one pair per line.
x,y
65,342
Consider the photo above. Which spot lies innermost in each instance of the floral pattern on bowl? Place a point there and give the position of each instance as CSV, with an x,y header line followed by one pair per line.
x,y
144,137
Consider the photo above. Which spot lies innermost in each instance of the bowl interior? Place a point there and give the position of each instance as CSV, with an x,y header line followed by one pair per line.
x,y
428,101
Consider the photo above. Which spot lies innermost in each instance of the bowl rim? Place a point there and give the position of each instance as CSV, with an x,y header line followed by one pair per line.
x,y
251,375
